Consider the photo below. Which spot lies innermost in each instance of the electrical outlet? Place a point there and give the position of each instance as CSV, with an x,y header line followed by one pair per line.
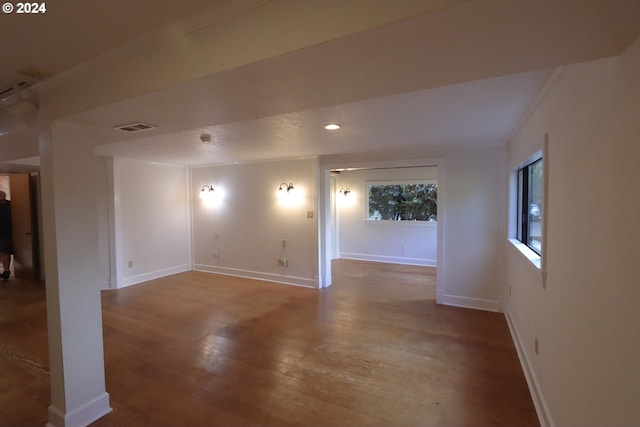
x,y
536,346
309,214
283,262
130,264
216,255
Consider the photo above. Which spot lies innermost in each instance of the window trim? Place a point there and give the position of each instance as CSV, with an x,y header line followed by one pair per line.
x,y
523,202
527,253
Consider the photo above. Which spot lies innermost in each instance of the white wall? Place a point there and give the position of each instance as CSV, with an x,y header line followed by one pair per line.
x,y
586,320
251,221
4,186
104,194
408,242
151,217
472,197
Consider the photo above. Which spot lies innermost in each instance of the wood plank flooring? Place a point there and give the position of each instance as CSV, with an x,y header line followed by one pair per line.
x,y
24,357
197,349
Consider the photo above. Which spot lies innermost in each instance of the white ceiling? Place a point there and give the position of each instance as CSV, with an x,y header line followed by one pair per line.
x,y
481,112
71,32
460,76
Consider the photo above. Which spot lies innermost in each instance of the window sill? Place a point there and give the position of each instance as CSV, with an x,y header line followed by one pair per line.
x,y
527,253
388,222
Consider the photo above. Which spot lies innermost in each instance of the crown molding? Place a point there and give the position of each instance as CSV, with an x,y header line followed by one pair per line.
x,y
553,78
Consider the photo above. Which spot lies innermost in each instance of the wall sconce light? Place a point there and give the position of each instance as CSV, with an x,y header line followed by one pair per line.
x,y
345,191
285,186
206,192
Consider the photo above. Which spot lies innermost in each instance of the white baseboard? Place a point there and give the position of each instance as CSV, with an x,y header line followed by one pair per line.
x,y
544,416
466,302
82,416
104,284
134,280
389,259
267,277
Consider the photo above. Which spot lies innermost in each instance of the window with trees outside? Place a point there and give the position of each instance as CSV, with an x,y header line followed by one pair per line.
x,y
402,201
530,205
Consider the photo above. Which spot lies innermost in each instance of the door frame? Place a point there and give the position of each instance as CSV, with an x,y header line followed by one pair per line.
x,y
326,219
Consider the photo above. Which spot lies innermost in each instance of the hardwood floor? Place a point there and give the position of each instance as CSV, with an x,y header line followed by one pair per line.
x,y
24,357
197,349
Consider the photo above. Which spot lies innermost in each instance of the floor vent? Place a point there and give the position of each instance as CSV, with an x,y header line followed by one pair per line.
x,y
135,127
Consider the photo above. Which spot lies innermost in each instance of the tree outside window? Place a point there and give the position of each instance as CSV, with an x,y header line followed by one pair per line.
x,y
403,201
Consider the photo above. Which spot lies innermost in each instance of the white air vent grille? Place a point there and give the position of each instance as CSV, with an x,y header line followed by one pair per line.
x,y
11,94
135,127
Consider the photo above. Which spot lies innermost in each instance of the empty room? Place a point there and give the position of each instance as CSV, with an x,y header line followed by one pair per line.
x,y
322,212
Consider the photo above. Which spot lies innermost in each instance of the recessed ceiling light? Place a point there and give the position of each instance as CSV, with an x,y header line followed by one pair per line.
x,y
332,126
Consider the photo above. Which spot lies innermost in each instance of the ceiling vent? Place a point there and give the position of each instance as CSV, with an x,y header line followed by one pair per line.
x,y
11,94
135,127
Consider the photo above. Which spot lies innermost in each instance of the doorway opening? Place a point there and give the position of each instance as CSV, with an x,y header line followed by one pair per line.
x,y
350,236
22,190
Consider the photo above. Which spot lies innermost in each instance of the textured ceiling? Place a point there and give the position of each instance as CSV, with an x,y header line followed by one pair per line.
x,y
475,113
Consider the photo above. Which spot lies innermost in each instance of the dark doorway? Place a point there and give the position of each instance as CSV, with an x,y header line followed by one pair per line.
x,y
24,213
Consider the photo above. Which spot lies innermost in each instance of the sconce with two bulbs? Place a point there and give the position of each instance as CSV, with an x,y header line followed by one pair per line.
x,y
285,186
206,192
345,191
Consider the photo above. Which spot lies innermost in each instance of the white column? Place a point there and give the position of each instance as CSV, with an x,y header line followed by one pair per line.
x,y
74,311
324,228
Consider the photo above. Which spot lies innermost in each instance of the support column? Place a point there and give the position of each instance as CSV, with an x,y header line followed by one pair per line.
x,y
324,228
74,310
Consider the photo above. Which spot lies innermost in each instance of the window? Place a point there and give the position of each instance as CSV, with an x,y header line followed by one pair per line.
x,y
530,205
402,201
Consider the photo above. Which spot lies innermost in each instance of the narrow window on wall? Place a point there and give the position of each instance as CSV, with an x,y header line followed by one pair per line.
x,y
530,205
